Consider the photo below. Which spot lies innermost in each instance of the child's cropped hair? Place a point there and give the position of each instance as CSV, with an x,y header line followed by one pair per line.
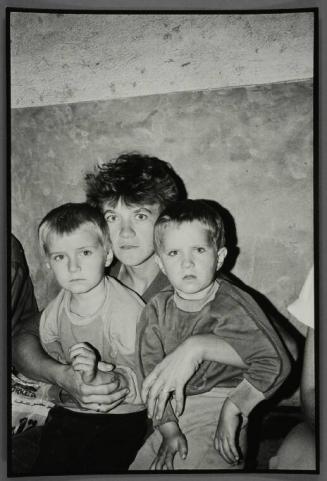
x,y
188,211
67,218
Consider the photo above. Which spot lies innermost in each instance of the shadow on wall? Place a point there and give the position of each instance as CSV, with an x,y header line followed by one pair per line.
x,y
292,339
293,342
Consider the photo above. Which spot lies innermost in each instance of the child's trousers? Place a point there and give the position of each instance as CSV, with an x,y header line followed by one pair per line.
x,y
85,443
198,423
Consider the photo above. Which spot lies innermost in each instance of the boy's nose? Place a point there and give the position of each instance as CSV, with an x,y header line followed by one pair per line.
x,y
73,265
187,261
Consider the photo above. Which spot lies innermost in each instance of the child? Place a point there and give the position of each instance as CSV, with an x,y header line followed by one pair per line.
x,y
189,243
92,319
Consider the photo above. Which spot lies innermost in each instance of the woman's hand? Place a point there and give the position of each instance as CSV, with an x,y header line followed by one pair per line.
x,y
104,394
173,372
173,442
171,375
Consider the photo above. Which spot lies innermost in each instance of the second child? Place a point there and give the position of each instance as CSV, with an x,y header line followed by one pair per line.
x,y
211,432
92,321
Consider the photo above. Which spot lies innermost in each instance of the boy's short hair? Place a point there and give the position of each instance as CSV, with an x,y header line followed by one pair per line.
x,y
67,218
136,179
188,211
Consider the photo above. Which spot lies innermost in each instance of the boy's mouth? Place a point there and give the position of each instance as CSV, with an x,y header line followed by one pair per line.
x,y
188,277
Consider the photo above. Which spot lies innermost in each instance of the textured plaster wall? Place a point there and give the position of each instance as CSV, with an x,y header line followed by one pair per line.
x,y
250,148
58,58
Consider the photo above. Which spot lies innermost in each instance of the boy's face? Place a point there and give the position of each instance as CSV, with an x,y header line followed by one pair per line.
x,y
188,258
131,231
77,259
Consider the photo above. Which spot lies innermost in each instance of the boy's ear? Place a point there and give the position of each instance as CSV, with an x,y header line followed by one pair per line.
x,y
109,258
221,254
160,264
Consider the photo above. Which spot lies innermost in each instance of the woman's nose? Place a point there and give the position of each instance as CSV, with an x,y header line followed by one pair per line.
x,y
126,229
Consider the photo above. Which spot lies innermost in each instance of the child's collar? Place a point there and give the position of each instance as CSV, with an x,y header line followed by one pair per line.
x,y
195,305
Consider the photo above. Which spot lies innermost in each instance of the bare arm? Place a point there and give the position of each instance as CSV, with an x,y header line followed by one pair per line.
x,y
165,378
212,348
308,379
30,359
173,441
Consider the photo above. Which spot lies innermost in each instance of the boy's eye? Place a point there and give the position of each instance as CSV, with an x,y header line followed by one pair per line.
x,y
200,250
86,252
141,216
172,253
110,217
58,257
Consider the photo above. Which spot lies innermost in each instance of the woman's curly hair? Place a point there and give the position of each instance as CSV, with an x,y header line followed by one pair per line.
x,y
136,179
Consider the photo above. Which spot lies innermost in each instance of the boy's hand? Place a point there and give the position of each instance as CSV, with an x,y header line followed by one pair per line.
x,y
173,441
171,375
115,376
225,437
84,360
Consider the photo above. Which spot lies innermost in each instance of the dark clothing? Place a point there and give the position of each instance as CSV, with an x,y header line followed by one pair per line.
x,y
232,315
158,283
23,303
83,443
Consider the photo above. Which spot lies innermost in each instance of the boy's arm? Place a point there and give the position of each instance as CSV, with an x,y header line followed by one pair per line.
x,y
246,328
225,438
149,353
173,441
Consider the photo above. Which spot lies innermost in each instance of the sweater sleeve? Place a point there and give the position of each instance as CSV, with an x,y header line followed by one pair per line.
x,y
150,352
246,328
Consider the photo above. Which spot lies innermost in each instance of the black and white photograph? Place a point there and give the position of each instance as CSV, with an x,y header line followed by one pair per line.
x,y
162,241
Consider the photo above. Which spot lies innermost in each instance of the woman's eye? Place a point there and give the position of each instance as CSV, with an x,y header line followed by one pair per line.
x,y
110,217
86,252
200,250
141,216
58,257
172,253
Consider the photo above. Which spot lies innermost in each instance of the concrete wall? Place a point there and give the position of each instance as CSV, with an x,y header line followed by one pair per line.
x,y
250,148
69,58
227,99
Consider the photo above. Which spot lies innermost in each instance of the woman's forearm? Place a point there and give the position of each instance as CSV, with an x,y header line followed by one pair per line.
x,y
308,379
30,359
212,348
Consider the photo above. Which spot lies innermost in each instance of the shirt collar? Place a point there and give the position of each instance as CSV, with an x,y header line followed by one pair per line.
x,y
195,305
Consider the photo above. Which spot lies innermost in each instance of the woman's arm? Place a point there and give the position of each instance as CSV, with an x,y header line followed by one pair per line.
x,y
308,379
31,360
173,372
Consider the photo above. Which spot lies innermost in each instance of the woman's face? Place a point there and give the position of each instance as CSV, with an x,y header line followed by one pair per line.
x,y
131,231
